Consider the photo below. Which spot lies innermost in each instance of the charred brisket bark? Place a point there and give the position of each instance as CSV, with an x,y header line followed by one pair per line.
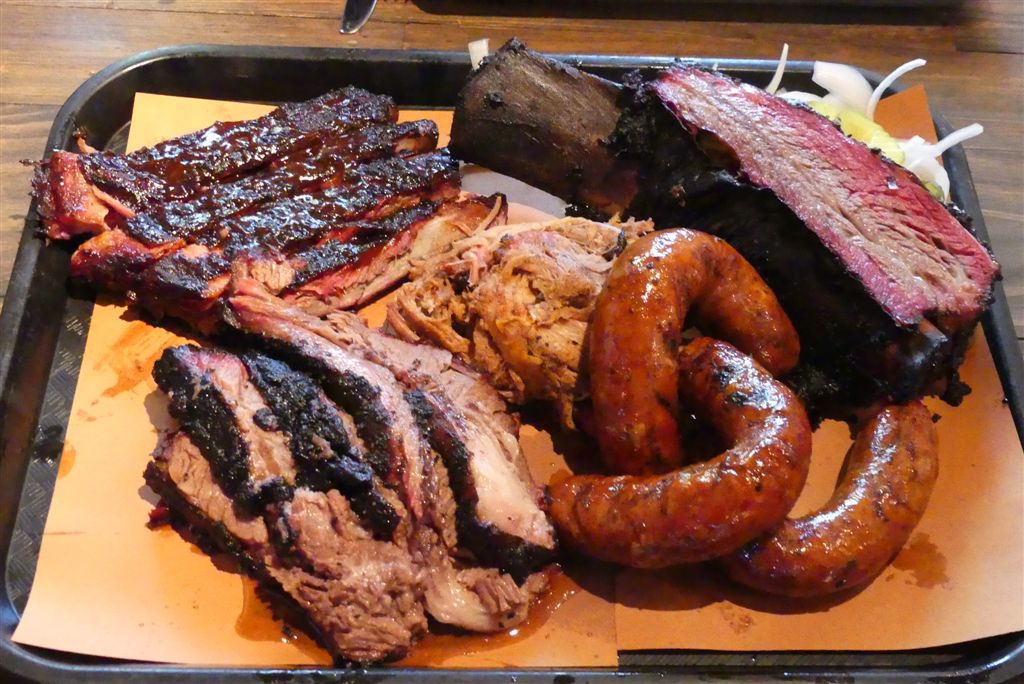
x,y
375,388
883,283
325,455
360,598
217,408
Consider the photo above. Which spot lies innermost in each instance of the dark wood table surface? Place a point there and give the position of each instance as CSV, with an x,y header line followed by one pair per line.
x,y
975,73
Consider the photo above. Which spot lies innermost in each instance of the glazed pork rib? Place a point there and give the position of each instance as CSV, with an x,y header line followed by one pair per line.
x,y
322,165
884,284
327,204
88,193
186,278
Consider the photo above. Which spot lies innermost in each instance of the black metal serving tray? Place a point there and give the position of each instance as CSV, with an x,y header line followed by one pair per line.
x,y
42,337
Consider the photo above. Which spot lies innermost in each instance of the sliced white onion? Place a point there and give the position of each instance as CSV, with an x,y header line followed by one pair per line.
x,y
478,49
929,170
922,158
773,85
798,96
845,83
918,148
888,81
915,149
956,137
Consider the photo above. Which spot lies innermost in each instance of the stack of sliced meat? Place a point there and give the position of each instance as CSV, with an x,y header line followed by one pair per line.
x,y
323,202
367,482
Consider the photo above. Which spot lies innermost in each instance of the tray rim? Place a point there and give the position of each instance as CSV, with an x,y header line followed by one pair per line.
x,y
27,662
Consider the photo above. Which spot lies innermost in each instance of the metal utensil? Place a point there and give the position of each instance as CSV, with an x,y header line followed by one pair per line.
x,y
356,14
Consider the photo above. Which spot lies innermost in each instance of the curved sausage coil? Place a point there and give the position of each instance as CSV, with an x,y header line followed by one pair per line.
x,y
637,328
707,509
888,477
734,505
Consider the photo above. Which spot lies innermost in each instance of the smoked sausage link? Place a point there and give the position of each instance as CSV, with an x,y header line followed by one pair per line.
x,y
889,474
707,509
637,328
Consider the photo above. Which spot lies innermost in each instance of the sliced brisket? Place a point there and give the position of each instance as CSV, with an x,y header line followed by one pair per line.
x,y
222,413
907,251
360,598
363,389
377,389
883,283
326,456
500,516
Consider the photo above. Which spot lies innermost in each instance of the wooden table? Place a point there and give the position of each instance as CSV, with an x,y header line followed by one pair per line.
x,y
975,70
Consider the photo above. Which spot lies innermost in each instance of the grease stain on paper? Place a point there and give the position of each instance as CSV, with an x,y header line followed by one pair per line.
x,y
436,648
131,357
739,621
67,461
923,560
256,622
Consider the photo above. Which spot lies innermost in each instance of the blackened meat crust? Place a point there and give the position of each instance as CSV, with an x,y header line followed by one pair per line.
x,y
491,545
326,457
209,412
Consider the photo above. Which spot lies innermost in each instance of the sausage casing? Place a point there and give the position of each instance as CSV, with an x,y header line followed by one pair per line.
x,y
637,328
707,509
889,475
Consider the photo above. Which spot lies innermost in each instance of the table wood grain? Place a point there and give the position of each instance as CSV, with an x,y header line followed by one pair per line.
x,y
975,71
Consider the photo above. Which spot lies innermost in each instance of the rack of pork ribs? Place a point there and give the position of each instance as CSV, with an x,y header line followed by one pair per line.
x,y
324,202
368,483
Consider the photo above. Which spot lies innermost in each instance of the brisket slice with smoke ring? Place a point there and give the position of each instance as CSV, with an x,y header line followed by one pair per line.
x,y
360,598
387,425
90,192
883,283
